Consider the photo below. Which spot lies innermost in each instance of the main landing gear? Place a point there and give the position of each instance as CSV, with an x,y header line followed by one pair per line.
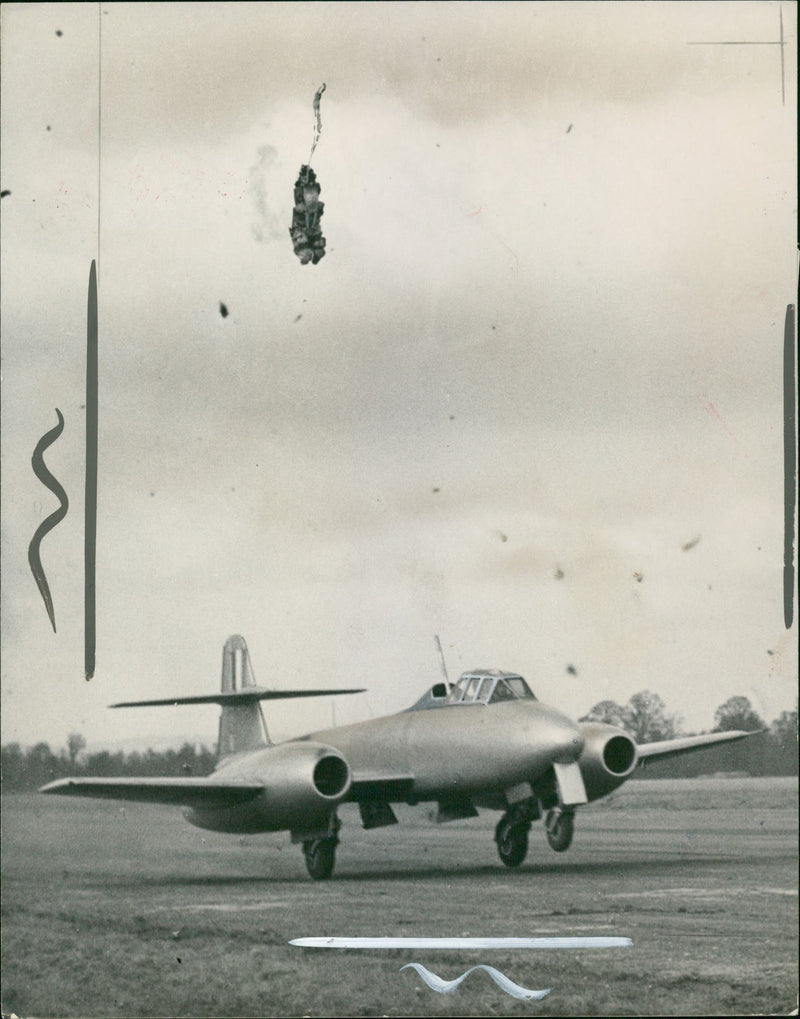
x,y
320,857
320,854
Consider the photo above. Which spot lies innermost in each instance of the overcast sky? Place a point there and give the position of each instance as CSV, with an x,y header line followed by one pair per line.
x,y
542,354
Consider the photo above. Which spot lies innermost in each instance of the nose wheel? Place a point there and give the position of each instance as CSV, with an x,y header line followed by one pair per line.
x,y
512,840
560,827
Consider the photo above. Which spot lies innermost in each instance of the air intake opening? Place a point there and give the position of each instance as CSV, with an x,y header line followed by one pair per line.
x,y
330,775
619,754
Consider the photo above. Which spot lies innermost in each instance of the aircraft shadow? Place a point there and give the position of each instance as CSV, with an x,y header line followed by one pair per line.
x,y
530,871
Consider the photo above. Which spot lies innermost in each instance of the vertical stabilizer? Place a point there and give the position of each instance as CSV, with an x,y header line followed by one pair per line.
x,y
241,726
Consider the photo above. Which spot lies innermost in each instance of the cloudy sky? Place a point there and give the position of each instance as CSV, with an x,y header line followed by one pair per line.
x,y
542,355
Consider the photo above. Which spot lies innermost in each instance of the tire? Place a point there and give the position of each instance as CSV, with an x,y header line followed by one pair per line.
x,y
560,827
320,857
512,842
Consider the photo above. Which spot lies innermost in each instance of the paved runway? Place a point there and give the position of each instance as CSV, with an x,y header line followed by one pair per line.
x,y
100,901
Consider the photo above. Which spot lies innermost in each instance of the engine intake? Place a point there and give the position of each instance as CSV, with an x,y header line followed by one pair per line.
x,y
303,782
609,757
331,776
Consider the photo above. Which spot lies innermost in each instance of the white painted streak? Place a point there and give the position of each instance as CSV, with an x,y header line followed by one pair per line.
x,y
482,943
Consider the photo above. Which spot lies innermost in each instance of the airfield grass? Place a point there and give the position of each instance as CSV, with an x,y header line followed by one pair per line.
x,y
128,911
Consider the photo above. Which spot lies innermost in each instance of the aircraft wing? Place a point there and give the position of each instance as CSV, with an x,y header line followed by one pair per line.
x,y
685,744
190,792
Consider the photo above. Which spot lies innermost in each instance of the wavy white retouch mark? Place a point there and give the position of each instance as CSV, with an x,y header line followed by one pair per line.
x,y
451,986
455,943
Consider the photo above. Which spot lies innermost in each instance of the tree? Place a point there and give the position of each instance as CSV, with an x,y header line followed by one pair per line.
x,y
41,765
13,767
784,740
608,712
784,729
75,743
646,718
737,713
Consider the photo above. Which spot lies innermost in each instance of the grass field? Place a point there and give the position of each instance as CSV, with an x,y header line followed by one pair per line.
x,y
111,911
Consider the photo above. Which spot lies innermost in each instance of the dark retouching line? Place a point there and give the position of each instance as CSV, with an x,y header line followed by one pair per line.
x,y
47,525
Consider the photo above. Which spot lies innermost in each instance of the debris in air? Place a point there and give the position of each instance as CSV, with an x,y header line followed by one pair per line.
x,y
691,544
305,231
223,309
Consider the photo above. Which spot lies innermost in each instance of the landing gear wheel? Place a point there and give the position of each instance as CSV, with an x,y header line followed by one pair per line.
x,y
320,857
560,827
512,841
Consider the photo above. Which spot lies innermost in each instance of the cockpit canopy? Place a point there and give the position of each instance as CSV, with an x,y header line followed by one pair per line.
x,y
489,686
480,686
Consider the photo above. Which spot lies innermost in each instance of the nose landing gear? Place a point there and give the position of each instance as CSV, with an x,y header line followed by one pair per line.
x,y
560,827
511,833
512,842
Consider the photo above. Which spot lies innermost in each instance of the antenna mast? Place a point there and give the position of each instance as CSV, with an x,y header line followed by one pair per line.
x,y
443,664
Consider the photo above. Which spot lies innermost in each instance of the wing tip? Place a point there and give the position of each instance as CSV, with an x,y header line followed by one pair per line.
x,y
55,786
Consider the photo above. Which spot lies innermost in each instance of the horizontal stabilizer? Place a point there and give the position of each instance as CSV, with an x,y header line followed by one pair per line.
x,y
685,744
247,695
190,792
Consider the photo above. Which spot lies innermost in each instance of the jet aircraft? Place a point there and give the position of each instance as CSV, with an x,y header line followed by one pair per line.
x,y
484,741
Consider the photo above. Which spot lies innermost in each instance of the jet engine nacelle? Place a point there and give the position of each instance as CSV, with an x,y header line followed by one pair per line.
x,y
303,783
609,757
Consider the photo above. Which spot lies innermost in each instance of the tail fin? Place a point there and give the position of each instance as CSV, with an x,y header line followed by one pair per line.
x,y
241,725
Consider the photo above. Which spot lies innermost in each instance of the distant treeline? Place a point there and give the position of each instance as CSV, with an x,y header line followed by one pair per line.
x,y
27,769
